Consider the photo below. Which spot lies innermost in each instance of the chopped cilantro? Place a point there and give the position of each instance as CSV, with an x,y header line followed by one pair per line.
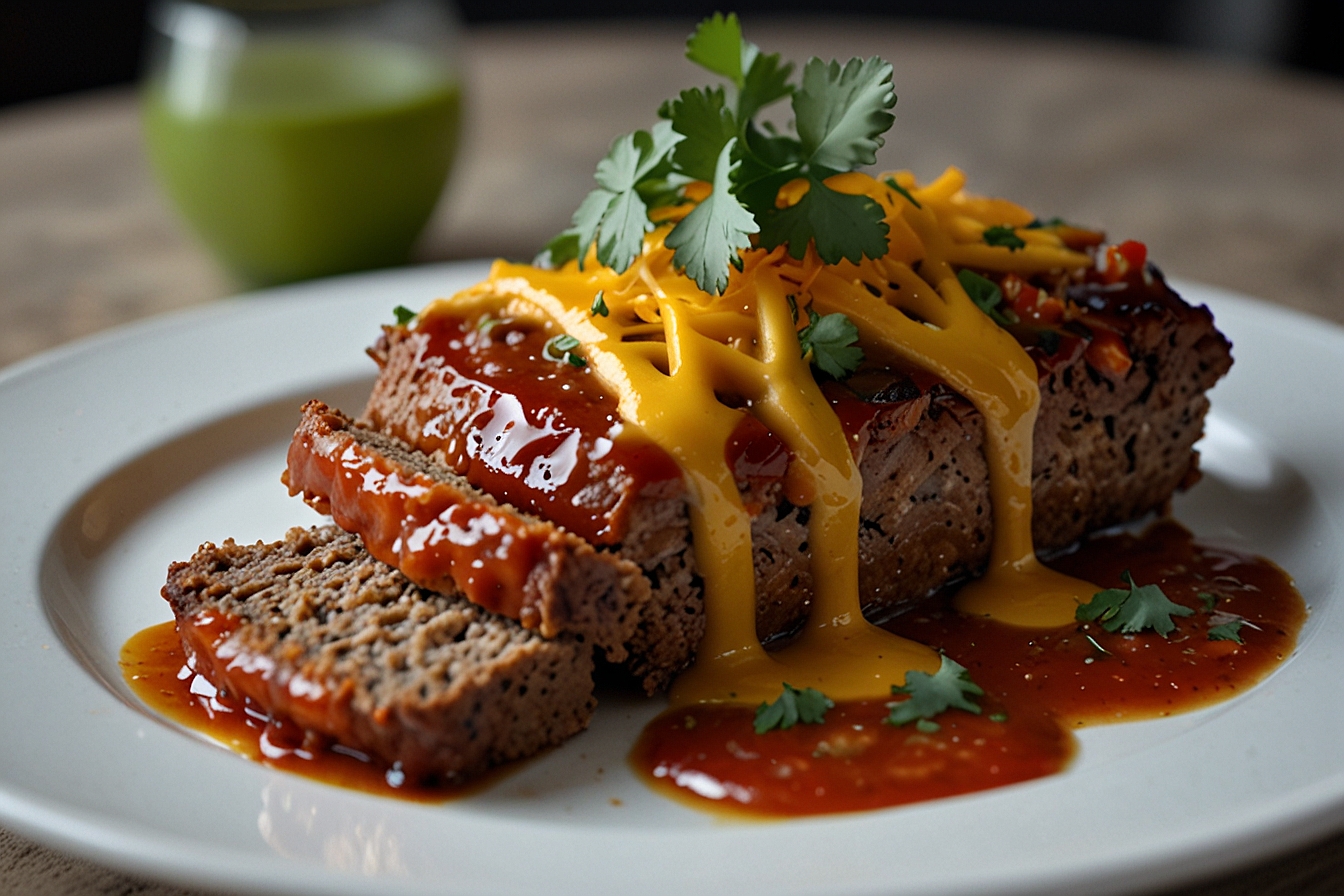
x,y
1038,224
832,341
840,113
791,707
561,348
404,315
1228,631
999,717
1005,236
1207,600
599,305
1132,610
987,297
891,182
924,726
930,695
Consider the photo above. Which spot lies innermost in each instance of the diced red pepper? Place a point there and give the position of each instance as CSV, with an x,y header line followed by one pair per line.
x,y
1108,354
1031,303
1117,262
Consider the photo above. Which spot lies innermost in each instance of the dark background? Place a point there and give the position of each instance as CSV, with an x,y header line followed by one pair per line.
x,y
48,48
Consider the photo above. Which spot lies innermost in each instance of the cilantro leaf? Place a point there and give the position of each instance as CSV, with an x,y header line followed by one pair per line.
x,y
842,112
987,297
791,707
841,225
707,240
404,315
599,306
832,341
563,247
760,79
717,45
615,215
1005,236
1228,631
1132,610
707,124
766,82
930,695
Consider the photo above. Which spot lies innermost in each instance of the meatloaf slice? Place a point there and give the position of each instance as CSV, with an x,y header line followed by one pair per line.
x,y
314,630
445,535
1112,443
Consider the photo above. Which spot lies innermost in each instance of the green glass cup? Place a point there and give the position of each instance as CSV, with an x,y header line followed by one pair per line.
x,y
303,139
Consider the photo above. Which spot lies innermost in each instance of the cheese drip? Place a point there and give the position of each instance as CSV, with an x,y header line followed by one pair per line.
x,y
670,353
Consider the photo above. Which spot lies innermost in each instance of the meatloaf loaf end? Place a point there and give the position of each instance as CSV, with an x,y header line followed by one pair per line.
x,y
445,535
1112,443
316,631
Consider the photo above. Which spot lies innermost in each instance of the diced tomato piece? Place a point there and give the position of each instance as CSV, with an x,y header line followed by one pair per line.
x,y
1108,354
1031,303
1118,261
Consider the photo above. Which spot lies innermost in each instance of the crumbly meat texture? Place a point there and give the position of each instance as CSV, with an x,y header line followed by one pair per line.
x,y
352,650
1108,449
519,565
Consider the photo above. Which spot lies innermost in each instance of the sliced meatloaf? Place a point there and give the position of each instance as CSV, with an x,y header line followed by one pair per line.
x,y
316,631
1112,442
444,534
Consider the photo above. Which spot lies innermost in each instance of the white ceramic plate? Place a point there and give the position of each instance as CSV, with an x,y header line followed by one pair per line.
x,y
123,453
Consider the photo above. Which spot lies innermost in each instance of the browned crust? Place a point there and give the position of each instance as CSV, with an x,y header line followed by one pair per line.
x,y
427,680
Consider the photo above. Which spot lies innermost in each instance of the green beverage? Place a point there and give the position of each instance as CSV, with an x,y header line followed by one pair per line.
x,y
297,159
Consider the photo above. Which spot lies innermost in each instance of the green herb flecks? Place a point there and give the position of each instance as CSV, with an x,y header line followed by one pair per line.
x,y
1228,631
987,296
403,315
599,308
710,135
931,695
1005,236
1132,610
561,348
891,182
792,706
832,343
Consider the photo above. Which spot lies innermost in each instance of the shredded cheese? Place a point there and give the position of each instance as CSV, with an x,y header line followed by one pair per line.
x,y
669,351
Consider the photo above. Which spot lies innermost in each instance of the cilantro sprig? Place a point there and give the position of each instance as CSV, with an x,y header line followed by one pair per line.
x,y
830,342
711,135
931,695
792,706
1133,609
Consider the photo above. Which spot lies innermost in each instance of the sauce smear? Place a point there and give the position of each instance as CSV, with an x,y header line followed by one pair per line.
x,y
158,670
1038,683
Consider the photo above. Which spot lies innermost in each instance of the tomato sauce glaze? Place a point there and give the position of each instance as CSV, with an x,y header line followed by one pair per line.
x,y
1038,685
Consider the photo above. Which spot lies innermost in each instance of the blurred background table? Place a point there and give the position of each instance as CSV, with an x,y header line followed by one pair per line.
x,y
1232,174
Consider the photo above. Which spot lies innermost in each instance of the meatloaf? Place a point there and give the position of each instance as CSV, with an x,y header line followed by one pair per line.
x,y
314,630
1113,442
444,534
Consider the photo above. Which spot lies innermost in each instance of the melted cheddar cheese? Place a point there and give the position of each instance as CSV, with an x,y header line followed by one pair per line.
x,y
686,366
